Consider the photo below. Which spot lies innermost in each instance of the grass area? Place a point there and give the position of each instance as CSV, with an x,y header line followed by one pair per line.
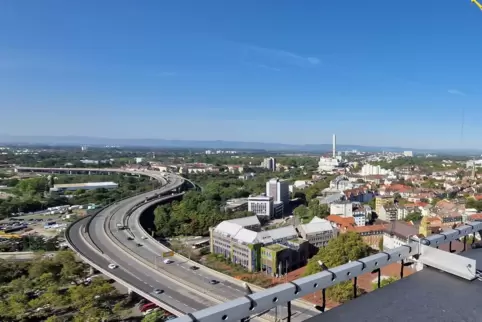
x,y
218,263
275,247
296,241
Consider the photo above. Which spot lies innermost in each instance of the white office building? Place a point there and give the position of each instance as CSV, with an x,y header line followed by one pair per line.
x,y
279,190
343,208
262,206
269,163
370,170
318,232
408,153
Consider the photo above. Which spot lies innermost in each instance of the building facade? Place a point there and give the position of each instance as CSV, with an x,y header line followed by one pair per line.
x,y
382,201
262,206
269,163
275,251
279,190
318,232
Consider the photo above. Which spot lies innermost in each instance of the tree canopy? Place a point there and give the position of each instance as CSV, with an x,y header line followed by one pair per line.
x,y
193,215
340,250
49,289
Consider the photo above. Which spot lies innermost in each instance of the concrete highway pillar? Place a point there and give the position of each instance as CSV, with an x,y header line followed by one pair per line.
x,y
91,271
130,291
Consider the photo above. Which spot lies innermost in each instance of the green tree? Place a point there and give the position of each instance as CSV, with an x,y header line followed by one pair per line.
x,y
340,250
342,292
414,216
71,268
301,212
155,316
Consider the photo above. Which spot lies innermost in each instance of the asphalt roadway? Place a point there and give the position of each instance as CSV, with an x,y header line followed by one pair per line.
x,y
142,267
136,275
151,250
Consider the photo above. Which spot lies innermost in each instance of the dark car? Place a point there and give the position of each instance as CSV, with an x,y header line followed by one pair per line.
x,y
130,238
214,282
194,268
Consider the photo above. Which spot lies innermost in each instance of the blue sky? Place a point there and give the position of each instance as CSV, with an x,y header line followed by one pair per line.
x,y
375,72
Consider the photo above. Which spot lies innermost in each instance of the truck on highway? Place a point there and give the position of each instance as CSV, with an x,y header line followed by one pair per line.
x,y
120,226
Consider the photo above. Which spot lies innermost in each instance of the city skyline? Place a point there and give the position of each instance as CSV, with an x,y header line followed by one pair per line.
x,y
251,72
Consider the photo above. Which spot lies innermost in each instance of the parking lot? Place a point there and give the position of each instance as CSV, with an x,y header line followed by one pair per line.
x,y
35,223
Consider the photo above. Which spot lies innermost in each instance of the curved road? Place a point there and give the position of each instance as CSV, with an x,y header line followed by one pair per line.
x,y
141,267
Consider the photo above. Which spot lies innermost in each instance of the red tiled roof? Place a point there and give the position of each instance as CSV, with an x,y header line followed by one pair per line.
x,y
476,217
364,229
342,221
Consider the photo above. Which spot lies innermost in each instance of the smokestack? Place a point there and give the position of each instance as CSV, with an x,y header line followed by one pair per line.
x,y
334,146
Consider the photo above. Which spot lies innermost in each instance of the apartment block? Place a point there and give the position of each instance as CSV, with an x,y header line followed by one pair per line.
x,y
382,201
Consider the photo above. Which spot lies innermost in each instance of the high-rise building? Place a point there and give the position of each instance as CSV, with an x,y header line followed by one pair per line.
x,y
269,163
279,190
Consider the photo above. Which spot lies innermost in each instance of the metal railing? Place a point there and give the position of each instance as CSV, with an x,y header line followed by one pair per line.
x,y
249,305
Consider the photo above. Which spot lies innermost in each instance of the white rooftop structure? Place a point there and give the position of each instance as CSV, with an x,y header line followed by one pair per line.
x,y
246,236
246,221
316,225
233,229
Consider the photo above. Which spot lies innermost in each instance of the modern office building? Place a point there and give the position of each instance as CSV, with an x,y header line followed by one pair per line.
x,y
279,259
262,206
279,190
278,209
269,163
240,242
317,232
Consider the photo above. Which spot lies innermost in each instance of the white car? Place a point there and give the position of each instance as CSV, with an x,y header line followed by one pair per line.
x,y
168,261
112,266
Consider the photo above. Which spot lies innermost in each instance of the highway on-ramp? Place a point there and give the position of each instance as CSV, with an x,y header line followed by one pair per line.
x,y
100,242
201,278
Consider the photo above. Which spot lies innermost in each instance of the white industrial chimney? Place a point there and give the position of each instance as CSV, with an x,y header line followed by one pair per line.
x,y
334,146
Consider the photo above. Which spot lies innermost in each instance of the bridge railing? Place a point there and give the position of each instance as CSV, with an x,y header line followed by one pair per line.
x,y
250,305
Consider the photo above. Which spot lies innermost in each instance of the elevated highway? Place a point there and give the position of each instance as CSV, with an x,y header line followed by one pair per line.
x,y
99,242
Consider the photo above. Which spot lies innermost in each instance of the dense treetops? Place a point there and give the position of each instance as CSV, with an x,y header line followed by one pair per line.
x,y
49,289
340,250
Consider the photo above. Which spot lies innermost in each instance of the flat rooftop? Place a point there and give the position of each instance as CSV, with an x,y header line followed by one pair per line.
x,y
428,295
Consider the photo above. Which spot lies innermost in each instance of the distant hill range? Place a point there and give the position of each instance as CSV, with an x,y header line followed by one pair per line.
x,y
191,144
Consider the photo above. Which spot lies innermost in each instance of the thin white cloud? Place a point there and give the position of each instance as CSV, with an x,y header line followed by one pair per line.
x,y
283,56
456,92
